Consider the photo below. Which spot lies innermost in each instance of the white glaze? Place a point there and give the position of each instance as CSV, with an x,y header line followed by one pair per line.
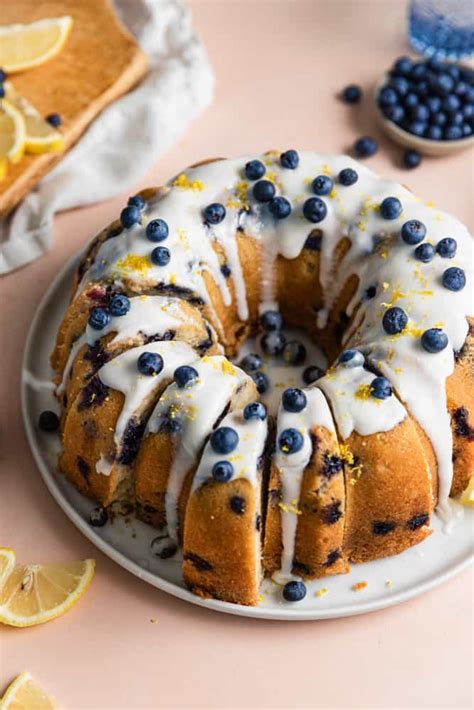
x,y
292,467
353,213
122,374
198,408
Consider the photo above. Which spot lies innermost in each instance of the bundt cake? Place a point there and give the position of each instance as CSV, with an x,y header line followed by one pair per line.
x,y
354,463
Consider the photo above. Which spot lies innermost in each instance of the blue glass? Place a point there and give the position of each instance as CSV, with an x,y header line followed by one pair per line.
x,y
442,27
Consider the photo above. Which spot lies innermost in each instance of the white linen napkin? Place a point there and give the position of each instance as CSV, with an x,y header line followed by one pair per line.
x,y
127,137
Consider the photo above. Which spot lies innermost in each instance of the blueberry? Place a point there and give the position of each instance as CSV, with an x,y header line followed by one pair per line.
x,y
294,353
150,364
348,177
380,388
224,440
387,97
394,113
3,76
185,376
452,133
262,382
418,71
119,305
456,118
322,185
466,130
54,119
163,547
402,66
136,201
451,103
413,231
251,362
222,471
129,216
434,340
271,320
435,63
370,292
391,208
447,247
157,230
255,410
453,71
420,113
394,320
439,119
351,94
98,318
225,270
290,441
410,100
442,84
425,252
294,591
280,207
468,111
214,213
461,88
2,91
454,279
411,159
254,170
351,358
289,159
273,343
434,133
314,209
400,84
48,421
98,517
417,128
293,400
160,256
365,147
264,191
433,103
311,374
422,89
237,505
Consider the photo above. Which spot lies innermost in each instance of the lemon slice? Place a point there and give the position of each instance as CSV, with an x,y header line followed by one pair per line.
x,y
25,694
12,133
25,46
34,594
7,563
467,496
41,137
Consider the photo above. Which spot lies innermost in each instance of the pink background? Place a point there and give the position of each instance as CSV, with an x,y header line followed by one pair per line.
x,y
278,66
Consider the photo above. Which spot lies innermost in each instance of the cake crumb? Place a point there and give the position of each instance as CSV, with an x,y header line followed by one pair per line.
x,y
152,621
321,592
389,583
359,586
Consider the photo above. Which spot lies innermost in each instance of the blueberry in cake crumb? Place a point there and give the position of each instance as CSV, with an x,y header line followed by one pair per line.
x,y
214,213
237,505
264,191
83,467
351,94
98,517
157,230
99,318
199,562
224,440
289,159
462,427
418,521
315,210
48,421
290,441
160,256
254,170
380,388
332,465
293,400
331,513
150,363
434,340
383,527
185,376
222,471
332,558
294,591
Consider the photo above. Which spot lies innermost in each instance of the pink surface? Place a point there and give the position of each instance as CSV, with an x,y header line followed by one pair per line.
x,y
278,66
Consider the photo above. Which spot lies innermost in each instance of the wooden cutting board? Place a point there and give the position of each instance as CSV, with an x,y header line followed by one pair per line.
x,y
99,62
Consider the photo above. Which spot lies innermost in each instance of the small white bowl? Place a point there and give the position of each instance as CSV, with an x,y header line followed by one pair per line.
x,y
408,140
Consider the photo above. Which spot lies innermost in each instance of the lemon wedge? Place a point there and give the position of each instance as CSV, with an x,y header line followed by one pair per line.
x,y
7,563
25,694
34,594
29,45
12,133
467,496
40,137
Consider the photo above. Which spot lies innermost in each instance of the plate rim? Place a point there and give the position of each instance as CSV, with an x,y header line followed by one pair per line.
x,y
256,612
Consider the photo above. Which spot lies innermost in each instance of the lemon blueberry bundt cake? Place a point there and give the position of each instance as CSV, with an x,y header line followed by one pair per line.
x,y
353,464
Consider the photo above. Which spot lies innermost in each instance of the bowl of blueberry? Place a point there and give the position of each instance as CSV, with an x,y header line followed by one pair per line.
x,y
427,105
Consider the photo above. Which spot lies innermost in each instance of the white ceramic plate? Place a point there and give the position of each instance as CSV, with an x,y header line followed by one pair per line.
x,y
127,541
